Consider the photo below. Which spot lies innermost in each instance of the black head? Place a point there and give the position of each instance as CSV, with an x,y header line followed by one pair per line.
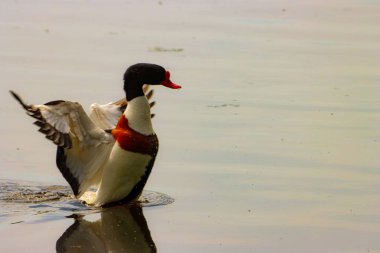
x,y
145,73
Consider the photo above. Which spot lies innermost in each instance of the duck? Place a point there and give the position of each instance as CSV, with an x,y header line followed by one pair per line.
x,y
113,148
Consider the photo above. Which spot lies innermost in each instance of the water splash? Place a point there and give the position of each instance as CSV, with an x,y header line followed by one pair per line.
x,y
55,201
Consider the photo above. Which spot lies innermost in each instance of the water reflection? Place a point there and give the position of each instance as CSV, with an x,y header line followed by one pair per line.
x,y
119,229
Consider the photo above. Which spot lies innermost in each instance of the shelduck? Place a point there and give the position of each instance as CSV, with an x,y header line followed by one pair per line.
x,y
112,148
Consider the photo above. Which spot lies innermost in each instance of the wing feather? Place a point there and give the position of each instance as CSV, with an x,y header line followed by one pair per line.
x,y
106,116
83,147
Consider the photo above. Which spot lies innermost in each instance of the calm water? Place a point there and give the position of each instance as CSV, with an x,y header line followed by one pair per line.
x,y
272,145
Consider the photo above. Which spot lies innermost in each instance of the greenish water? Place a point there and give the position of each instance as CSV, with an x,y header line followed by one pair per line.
x,y
272,145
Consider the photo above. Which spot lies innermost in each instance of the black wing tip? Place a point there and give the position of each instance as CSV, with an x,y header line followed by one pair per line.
x,y
60,139
30,109
19,99
14,93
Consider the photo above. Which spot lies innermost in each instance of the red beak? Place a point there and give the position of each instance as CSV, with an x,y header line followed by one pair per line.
x,y
168,83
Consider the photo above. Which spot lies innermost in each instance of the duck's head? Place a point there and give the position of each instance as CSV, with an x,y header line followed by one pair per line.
x,y
145,73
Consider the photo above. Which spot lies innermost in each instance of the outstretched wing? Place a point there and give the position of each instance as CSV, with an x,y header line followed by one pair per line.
x,y
106,116
83,147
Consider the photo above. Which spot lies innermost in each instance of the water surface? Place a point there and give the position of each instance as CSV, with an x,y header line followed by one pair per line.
x,y
271,146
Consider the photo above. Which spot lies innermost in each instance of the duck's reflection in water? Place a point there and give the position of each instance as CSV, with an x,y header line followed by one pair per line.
x,y
119,229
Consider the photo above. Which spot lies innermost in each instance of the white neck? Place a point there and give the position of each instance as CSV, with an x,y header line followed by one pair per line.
x,y
138,115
